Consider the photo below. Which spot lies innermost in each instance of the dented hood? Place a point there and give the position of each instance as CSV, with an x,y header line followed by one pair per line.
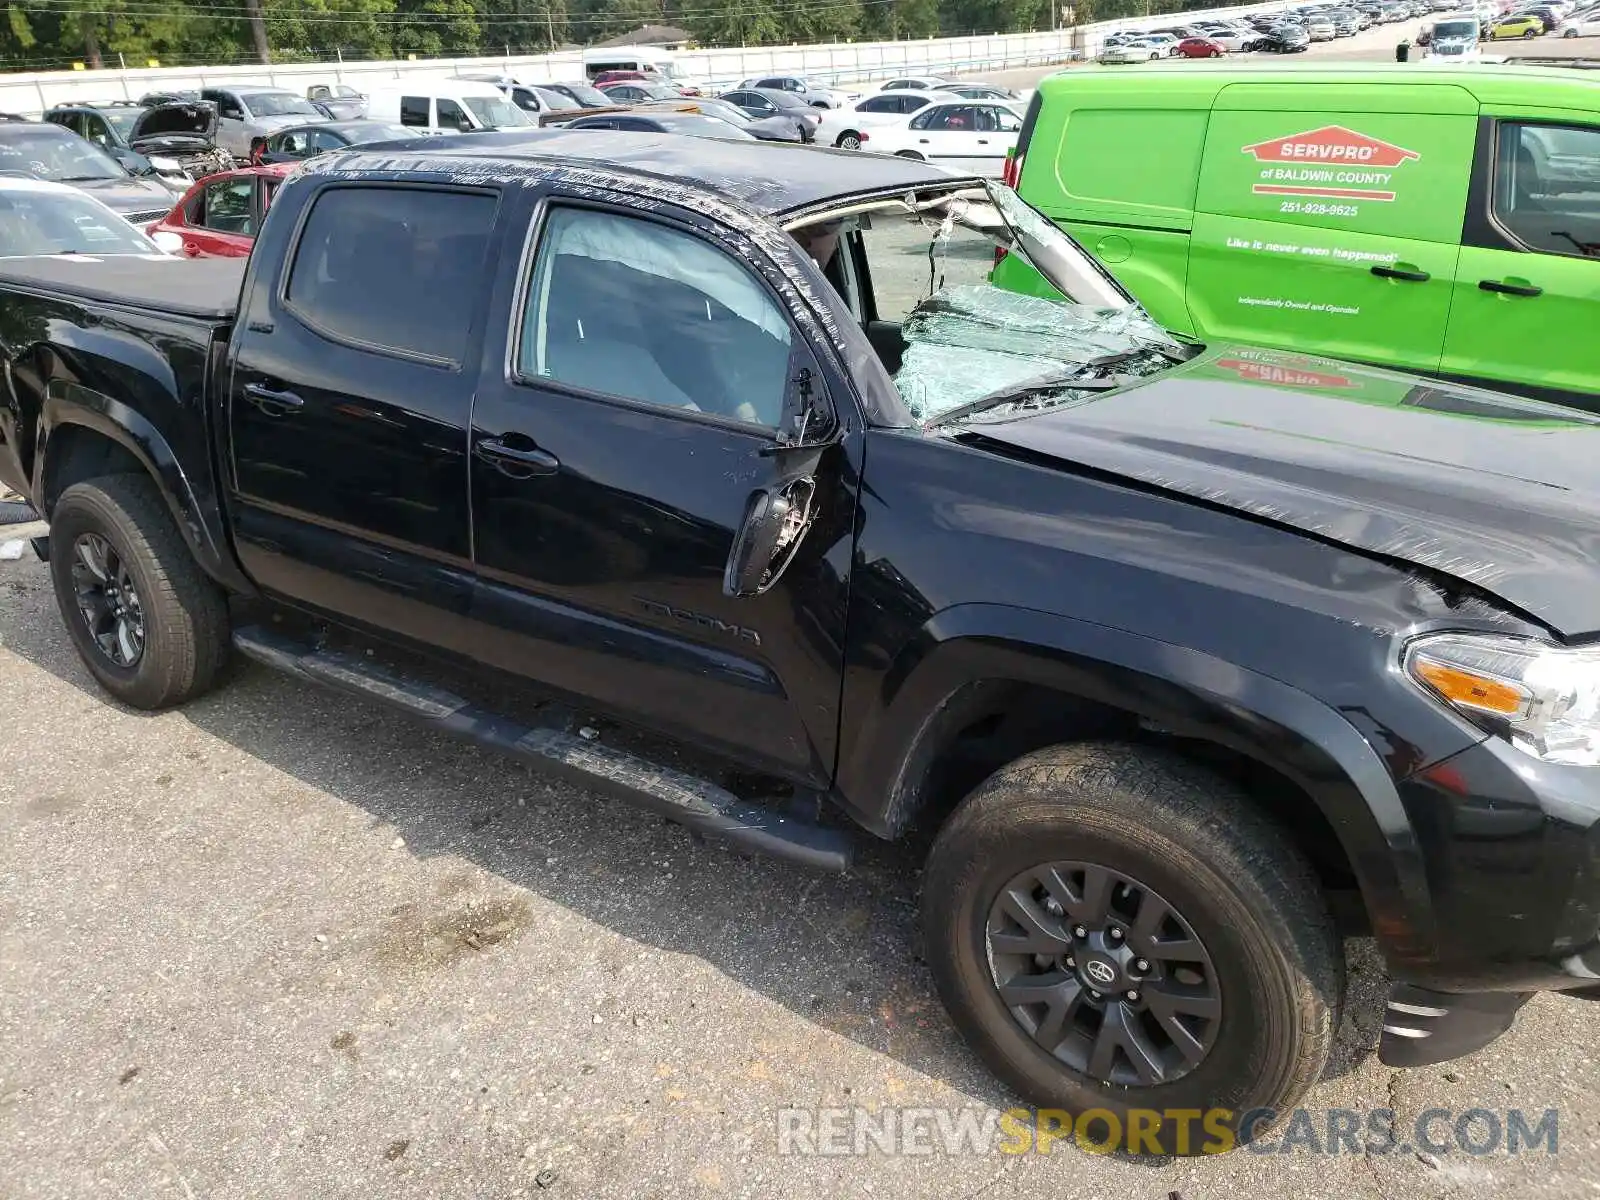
x,y
161,122
1496,491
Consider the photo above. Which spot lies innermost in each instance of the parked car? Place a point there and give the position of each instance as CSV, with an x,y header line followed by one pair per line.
x,y
530,98
766,129
40,217
1320,29
961,135
246,112
582,94
1584,26
844,127
1548,15
1201,47
799,85
634,92
1284,39
445,106
916,83
690,124
1165,42
1453,37
308,141
1189,663
766,102
340,101
42,150
1345,23
1133,50
176,139
1526,26
981,91
218,217
1235,39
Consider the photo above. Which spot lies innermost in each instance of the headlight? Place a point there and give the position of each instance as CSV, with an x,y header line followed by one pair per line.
x,y
1544,699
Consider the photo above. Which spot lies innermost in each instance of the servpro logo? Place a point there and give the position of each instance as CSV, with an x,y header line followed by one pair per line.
x,y
1332,161
1290,372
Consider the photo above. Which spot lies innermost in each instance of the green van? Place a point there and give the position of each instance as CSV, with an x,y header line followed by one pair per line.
x,y
1440,220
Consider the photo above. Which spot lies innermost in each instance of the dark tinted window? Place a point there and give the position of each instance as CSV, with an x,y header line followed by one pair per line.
x,y
394,267
629,308
450,114
225,206
414,110
883,104
1547,187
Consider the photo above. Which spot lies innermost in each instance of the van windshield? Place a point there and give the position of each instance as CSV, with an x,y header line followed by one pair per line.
x,y
495,112
1456,30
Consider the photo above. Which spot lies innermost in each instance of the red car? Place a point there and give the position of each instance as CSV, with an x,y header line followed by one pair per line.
x,y
605,78
1201,47
218,216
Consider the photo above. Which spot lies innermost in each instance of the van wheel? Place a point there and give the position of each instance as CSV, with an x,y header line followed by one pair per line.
x,y
1112,927
909,154
849,140
149,624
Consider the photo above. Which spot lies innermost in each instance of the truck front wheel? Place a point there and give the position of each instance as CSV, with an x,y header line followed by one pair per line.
x,y
1115,929
149,624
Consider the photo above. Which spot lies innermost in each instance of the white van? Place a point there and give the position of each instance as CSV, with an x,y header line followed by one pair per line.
x,y
630,58
445,106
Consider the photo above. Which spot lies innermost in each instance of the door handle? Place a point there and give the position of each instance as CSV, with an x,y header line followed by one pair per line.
x,y
1401,273
271,401
983,141
1510,289
922,141
514,462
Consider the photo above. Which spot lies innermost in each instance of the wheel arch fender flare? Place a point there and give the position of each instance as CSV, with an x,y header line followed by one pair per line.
x,y
962,651
69,405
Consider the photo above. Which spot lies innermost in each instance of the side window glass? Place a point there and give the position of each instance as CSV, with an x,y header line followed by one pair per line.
x,y
450,114
392,268
414,110
983,120
920,121
633,309
227,206
1007,120
1547,187
94,128
911,102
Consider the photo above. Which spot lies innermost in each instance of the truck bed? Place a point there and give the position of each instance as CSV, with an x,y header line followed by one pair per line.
x,y
205,288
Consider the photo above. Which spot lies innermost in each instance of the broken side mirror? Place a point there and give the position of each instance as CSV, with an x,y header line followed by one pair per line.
x,y
775,523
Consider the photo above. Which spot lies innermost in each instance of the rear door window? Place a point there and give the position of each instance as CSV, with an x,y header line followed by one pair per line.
x,y
1546,191
414,110
393,269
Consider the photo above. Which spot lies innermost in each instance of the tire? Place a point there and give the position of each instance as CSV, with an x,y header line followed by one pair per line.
x,y
849,140
1571,33
911,154
182,615
1191,840
1530,34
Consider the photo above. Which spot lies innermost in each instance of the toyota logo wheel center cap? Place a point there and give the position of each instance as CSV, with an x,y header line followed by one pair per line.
x,y
1098,973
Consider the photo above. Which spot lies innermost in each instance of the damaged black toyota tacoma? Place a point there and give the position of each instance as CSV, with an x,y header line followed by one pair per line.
x,y
1196,658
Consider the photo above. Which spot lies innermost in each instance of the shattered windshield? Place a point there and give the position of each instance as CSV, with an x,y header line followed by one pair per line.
x,y
971,347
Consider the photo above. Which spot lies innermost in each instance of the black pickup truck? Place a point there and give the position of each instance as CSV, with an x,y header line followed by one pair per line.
x,y
615,452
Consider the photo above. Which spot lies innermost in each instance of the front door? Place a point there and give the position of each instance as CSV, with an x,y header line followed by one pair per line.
x,y
947,134
620,442
1528,286
349,403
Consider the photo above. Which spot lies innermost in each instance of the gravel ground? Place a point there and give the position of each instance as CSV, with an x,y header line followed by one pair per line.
x,y
287,944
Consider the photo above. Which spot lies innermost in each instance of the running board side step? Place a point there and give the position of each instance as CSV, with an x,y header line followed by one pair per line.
x,y
697,803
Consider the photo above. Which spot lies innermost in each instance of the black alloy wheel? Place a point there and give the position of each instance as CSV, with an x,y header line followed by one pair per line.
x,y
108,600
1104,974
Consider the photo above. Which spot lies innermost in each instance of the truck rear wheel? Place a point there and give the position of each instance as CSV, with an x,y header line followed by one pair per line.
x,y
149,624
1115,929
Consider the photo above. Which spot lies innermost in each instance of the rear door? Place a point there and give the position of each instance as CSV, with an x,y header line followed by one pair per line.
x,y
1527,290
348,404
947,134
1328,218
624,432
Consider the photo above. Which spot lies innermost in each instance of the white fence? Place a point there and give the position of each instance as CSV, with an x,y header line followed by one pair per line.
x,y
848,62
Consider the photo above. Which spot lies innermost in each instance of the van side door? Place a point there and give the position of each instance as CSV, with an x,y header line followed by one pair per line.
x,y
1527,289
350,379
1328,218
